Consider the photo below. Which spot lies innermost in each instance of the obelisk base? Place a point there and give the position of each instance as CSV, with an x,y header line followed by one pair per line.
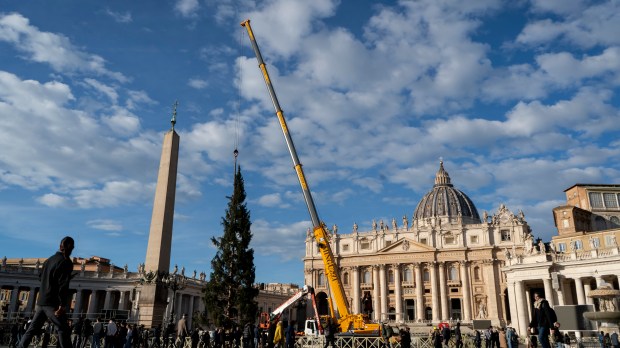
x,y
152,303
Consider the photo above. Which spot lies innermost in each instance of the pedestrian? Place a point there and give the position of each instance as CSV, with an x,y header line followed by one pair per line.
x,y
256,336
478,339
607,340
195,337
98,333
543,319
488,335
110,334
503,341
533,342
87,332
14,335
156,336
330,333
278,336
458,336
77,332
182,331
557,337
47,333
436,337
445,335
509,337
54,297
290,335
615,343
405,338
567,339
386,333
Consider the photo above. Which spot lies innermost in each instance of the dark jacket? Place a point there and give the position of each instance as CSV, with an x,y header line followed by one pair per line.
x,y
55,277
542,316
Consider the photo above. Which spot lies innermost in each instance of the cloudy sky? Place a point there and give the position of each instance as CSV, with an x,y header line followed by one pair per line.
x,y
521,99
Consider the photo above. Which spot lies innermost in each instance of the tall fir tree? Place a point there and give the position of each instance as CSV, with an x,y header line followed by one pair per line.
x,y
230,293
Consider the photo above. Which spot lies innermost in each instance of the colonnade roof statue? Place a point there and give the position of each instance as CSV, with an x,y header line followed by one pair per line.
x,y
445,201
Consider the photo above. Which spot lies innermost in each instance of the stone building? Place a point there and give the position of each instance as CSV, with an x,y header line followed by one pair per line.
x,y
100,289
582,256
444,264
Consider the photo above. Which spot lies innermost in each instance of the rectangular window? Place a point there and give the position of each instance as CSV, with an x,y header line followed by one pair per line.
x,y
610,240
454,290
388,243
566,223
596,243
449,240
345,247
610,200
596,199
505,235
423,241
473,239
364,245
578,245
561,247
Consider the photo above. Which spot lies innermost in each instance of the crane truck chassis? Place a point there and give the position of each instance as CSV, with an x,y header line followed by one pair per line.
x,y
346,321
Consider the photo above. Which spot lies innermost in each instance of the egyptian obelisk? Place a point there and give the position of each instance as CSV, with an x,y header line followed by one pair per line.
x,y
153,296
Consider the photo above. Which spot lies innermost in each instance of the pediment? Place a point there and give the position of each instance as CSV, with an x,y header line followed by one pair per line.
x,y
406,245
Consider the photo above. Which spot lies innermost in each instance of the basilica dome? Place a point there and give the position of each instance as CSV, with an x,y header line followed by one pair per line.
x,y
446,202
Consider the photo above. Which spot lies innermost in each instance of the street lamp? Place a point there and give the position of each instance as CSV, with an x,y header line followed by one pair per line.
x,y
174,282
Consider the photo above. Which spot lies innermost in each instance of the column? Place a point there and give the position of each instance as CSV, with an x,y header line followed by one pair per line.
x,y
398,296
560,291
190,313
586,289
92,305
521,310
122,301
108,298
493,311
77,310
434,291
581,296
512,301
178,309
528,303
445,313
356,289
466,291
548,292
419,289
375,293
384,299
14,297
32,296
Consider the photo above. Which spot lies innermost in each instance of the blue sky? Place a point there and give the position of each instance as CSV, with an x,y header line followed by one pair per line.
x,y
519,98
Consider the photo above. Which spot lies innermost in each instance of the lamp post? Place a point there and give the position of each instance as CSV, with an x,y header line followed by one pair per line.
x,y
174,282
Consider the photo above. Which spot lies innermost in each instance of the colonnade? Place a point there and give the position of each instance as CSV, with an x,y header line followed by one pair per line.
x,y
95,302
557,290
428,285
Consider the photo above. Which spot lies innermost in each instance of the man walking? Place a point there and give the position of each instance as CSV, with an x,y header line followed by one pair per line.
x,y
543,318
54,295
182,331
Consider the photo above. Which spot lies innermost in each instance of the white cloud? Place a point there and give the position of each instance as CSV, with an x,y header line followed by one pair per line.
x,y
197,83
289,237
186,8
53,49
119,17
52,200
270,200
105,225
113,193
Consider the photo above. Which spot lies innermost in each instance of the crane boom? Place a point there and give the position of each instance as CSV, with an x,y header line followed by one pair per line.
x,y
346,319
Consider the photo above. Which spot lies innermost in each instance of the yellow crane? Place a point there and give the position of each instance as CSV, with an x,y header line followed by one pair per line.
x,y
347,322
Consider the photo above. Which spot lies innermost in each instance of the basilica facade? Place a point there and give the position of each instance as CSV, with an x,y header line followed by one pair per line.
x,y
445,264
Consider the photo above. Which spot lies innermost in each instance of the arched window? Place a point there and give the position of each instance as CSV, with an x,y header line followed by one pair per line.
x,y
453,273
366,277
407,275
345,278
321,281
477,275
427,275
391,277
